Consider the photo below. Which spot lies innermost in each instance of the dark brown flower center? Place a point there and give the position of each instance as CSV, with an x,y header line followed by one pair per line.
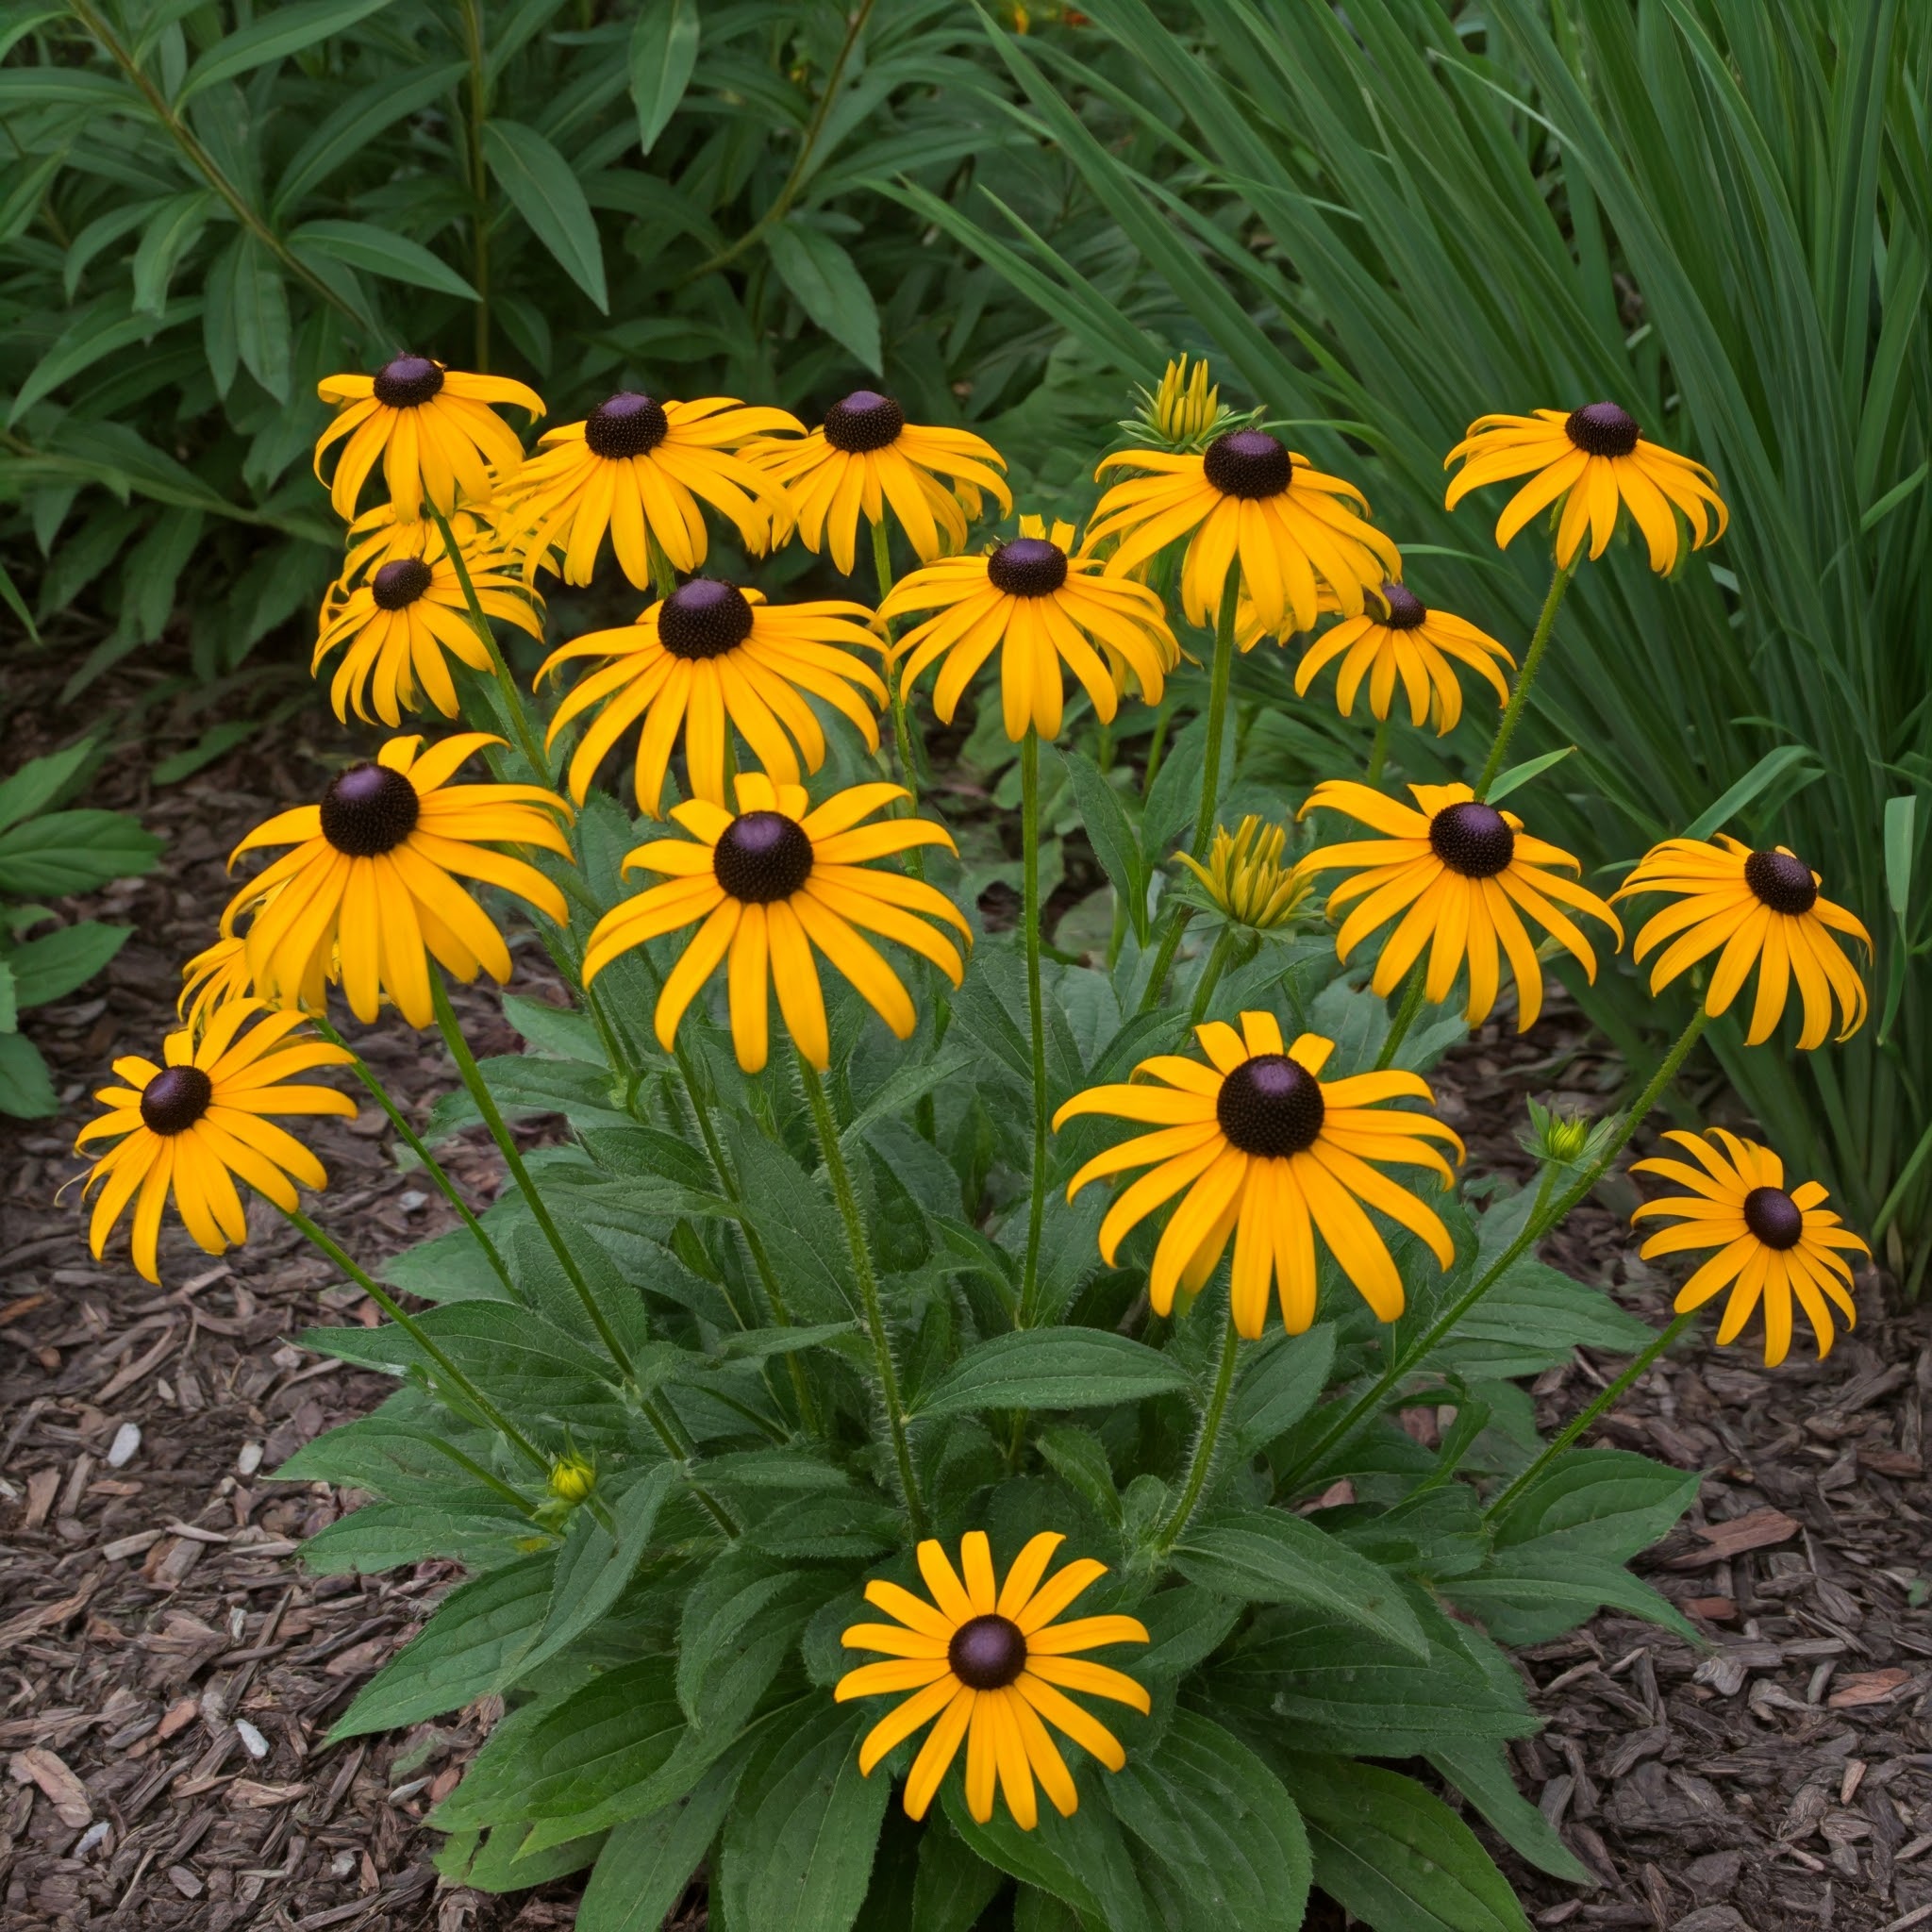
x,y
1248,463
1405,609
1474,839
762,855
1602,430
175,1098
400,582
1271,1106
1783,883
368,810
1028,567
1773,1217
626,425
987,1653
408,382
865,421
704,618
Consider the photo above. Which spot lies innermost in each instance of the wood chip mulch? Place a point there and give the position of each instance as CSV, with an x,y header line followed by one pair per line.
x,y
167,1670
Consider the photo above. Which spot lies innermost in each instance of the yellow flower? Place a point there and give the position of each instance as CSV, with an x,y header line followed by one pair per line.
x,y
372,884
1036,603
1269,1152
379,536
865,460
1467,874
1409,640
194,1125
770,884
431,427
1589,461
1245,878
992,1663
1771,1243
708,657
1764,909
394,628
572,1478
637,467
1249,500
1183,412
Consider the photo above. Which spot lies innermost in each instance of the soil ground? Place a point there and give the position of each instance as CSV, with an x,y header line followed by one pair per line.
x,y
167,1668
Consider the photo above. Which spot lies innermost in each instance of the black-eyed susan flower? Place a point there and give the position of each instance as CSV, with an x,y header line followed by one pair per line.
x,y
1771,1243
379,536
394,628
1244,879
1590,461
1247,500
433,428
1399,637
1038,602
707,658
1764,908
992,1663
1183,412
1463,875
867,460
639,467
770,884
371,891
194,1125
1269,1152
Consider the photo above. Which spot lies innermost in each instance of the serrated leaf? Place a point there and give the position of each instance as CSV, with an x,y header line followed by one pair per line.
x,y
1055,1367
548,195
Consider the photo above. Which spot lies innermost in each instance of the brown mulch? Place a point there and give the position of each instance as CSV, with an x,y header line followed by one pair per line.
x,y
167,1671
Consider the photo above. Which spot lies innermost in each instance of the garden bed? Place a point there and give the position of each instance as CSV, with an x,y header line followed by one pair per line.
x,y
170,1669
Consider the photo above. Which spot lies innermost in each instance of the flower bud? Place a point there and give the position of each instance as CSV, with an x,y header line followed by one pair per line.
x,y
572,1478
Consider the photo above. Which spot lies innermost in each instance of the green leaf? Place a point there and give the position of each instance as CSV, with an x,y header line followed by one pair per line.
x,y
1267,1556
1481,1773
469,1648
10,1002
26,1092
1055,1367
1111,834
548,195
598,1561
379,1536
261,310
1530,768
1080,1458
1395,1856
1773,766
45,968
362,245
1901,827
1220,1822
799,1843
499,1864
1083,1859
1280,1382
647,1862
11,596
561,1032
98,331
1538,1591
73,852
369,110
1601,1502
741,1619
40,781
955,1884
171,230
283,30
663,52
56,86
826,281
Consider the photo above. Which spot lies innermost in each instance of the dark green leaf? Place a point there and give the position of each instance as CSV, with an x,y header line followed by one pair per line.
x,y
647,1862
1111,834
285,29
362,245
822,274
547,195
598,1559
379,1536
73,852
1055,1367
1481,1773
663,52
46,968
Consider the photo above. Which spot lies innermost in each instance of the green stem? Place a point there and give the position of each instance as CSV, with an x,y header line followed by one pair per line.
x,y
479,175
1210,974
901,730
431,1166
420,1336
1206,1441
1163,959
1378,752
840,1178
1547,1215
1030,913
1532,662
1405,1015
1218,682
513,1158
663,572
513,697
1578,1425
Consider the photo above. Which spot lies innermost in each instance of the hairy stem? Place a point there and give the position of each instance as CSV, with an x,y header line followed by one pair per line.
x,y
1201,1463
1378,752
1210,974
1532,662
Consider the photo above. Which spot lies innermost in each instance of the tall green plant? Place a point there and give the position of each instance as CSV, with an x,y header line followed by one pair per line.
x,y
1389,221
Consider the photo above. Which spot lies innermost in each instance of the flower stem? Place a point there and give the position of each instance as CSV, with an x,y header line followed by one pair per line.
x,y
1405,1015
1532,662
663,572
1163,959
840,1178
1199,1464
1548,1214
420,1336
1210,974
431,1166
513,1158
513,697
1030,913
1217,712
1578,1425
1378,752
901,730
